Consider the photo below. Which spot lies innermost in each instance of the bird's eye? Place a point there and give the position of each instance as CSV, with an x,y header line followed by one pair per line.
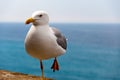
x,y
40,15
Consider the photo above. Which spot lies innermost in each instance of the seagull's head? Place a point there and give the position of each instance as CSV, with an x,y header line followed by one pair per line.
x,y
38,18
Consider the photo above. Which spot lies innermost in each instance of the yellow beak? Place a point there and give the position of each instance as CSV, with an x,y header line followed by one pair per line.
x,y
29,20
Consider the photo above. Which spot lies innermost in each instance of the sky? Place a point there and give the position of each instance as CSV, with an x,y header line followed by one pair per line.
x,y
88,11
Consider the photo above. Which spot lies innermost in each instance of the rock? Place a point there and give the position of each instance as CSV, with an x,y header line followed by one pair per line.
x,y
8,75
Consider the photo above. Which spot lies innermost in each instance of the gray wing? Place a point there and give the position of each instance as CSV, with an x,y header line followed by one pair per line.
x,y
61,40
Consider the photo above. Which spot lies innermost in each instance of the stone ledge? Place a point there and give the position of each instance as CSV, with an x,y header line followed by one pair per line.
x,y
8,75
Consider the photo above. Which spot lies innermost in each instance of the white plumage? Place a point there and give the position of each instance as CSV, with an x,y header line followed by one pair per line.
x,y
41,43
44,42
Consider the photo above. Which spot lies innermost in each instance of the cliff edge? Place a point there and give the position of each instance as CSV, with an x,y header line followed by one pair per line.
x,y
8,75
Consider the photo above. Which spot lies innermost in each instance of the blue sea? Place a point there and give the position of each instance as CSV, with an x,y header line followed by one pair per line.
x,y
93,51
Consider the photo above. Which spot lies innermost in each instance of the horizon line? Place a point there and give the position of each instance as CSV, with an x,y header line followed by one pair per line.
x,y
66,22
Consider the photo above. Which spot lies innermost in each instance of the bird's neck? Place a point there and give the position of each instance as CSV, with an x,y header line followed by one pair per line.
x,y
41,25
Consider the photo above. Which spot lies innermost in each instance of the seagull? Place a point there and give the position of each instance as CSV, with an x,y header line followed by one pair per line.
x,y
44,42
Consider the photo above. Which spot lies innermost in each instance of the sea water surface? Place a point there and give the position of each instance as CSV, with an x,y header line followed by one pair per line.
x,y
93,52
